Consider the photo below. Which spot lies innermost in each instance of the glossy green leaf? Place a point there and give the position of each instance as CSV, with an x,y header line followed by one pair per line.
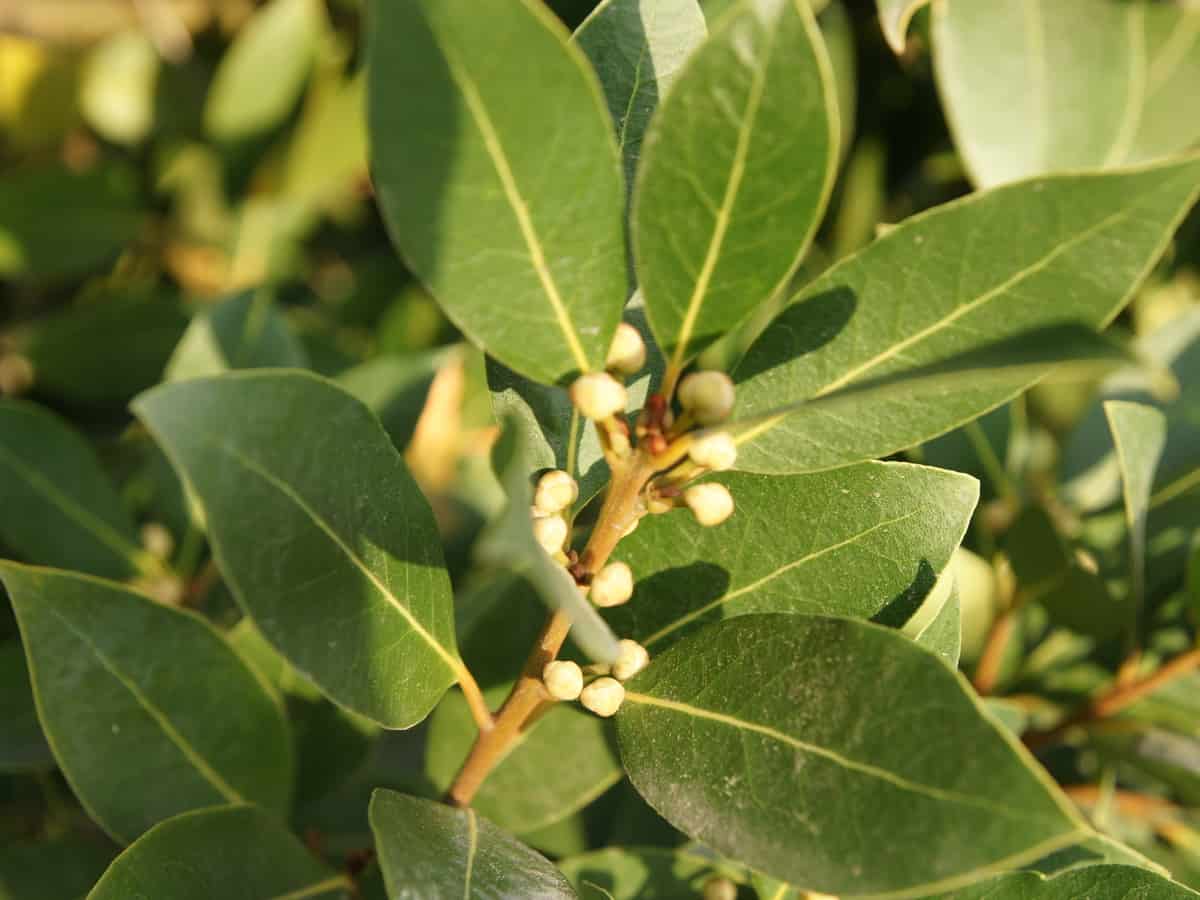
x,y
937,624
774,739
644,873
894,18
60,509
340,565
247,331
1139,434
637,47
737,167
427,849
231,852
506,202
1091,882
1038,86
564,761
1027,258
148,710
508,544
261,77
861,541
23,747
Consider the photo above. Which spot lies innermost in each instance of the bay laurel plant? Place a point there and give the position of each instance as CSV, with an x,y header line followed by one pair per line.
x,y
720,596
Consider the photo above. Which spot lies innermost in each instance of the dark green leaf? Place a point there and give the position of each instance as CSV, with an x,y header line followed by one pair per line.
x,y
147,709
737,167
246,331
507,203
1139,434
63,868
23,747
862,541
59,507
644,873
232,852
775,739
340,565
1090,882
430,850
1026,259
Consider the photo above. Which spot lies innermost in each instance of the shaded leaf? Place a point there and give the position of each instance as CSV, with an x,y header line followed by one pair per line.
x,y
894,18
395,388
737,167
137,733
499,192
1022,82
427,849
774,739
1027,259
937,624
862,541
1139,434
1092,882
61,868
340,566
23,747
232,852
59,507
247,331
644,873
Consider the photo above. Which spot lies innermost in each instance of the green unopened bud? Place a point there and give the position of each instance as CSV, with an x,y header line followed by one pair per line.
x,y
718,888
631,659
710,503
563,679
627,354
550,533
556,490
715,451
598,395
603,696
708,396
612,585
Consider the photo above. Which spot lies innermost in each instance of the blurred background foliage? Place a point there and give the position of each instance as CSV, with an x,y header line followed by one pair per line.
x,y
184,189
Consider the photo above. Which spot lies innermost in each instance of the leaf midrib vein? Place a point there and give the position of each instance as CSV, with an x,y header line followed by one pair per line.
x,y
317,888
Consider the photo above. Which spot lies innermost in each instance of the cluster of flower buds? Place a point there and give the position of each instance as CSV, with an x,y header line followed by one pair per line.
x,y
555,492
603,696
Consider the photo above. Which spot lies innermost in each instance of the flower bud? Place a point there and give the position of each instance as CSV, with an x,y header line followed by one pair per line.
x,y
631,659
598,395
708,396
563,679
556,490
710,503
550,533
157,540
627,354
719,888
612,585
603,696
715,451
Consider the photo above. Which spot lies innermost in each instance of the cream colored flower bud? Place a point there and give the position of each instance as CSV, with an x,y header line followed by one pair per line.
x,y
157,540
556,490
720,889
612,585
550,532
715,451
563,679
710,503
627,354
708,396
631,659
598,395
603,696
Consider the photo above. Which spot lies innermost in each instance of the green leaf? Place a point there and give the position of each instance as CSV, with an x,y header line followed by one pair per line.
x,y
861,320
564,760
395,387
148,710
1139,434
427,849
1065,85
737,167
1092,882
894,18
937,624
23,747
644,873
247,331
508,544
59,507
119,81
63,868
637,48
860,541
774,739
492,190
340,565
232,852
262,75
837,31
